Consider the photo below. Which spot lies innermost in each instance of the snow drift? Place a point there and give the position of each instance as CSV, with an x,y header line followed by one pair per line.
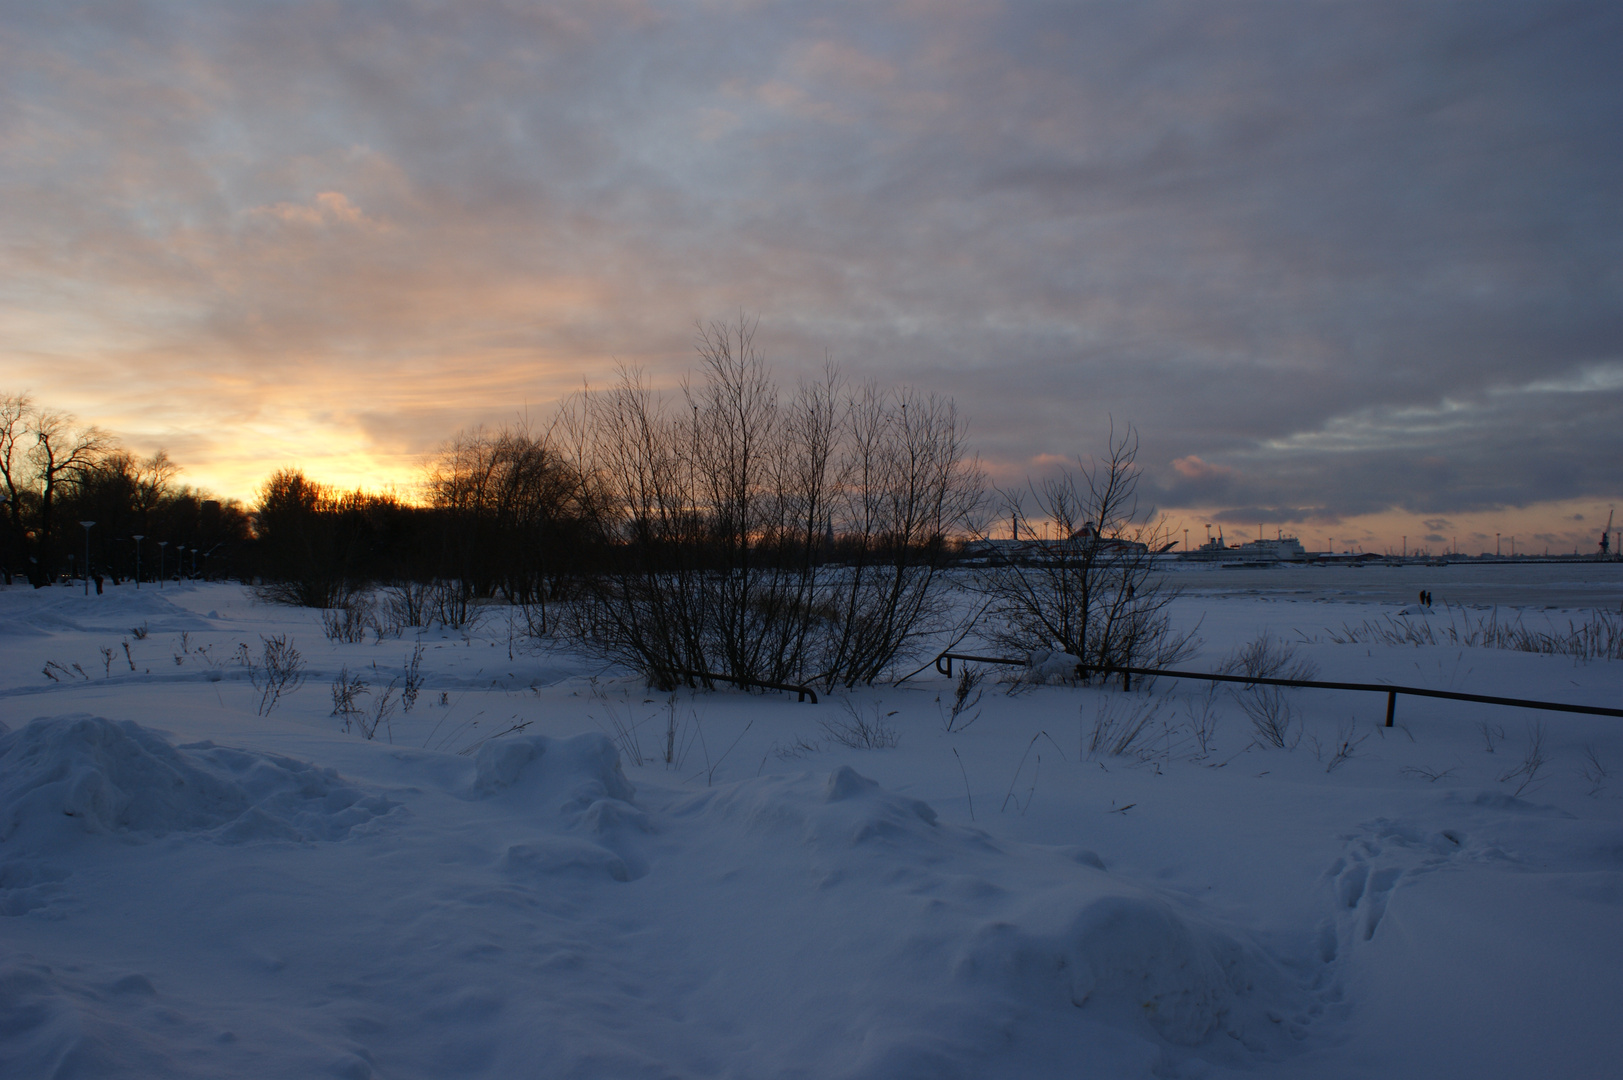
x,y
88,774
1039,929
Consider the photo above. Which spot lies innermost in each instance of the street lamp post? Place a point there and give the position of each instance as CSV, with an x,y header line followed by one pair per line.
x,y
138,538
161,545
87,525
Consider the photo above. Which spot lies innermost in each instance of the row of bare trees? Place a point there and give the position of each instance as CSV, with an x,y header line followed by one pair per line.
x,y
736,528
56,473
801,536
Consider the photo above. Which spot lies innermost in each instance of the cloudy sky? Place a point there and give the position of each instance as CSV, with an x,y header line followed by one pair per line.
x,y
1354,270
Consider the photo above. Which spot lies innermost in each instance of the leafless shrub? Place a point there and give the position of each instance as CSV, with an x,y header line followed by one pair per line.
x,y
1492,734
1203,716
348,622
1268,707
406,603
1121,726
1526,771
347,691
1341,749
455,607
678,737
57,673
413,678
709,766
623,729
1090,590
380,715
279,670
1272,717
106,662
796,749
127,657
966,695
860,731
1598,637
1267,657
1594,770
139,633
1426,772
790,538
1031,792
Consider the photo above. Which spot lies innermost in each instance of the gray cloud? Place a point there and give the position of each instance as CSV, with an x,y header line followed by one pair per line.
x,y
1347,256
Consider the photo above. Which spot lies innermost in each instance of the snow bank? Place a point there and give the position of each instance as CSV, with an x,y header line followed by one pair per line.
x,y
87,774
45,612
1040,929
582,770
1138,959
579,780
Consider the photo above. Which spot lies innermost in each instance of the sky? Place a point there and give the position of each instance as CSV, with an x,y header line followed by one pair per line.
x,y
1353,271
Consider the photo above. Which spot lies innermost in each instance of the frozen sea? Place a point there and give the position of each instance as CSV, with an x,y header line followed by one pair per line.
x,y
1569,586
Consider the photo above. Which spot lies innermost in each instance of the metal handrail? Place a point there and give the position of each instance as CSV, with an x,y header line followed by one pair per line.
x,y
803,691
1388,689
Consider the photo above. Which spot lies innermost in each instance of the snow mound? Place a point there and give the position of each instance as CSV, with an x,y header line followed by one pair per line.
x,y
544,859
1043,930
581,781
1137,958
1046,667
100,1020
579,770
845,810
87,774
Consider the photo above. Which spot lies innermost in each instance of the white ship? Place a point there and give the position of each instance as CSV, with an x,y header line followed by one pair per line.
x,y
1280,549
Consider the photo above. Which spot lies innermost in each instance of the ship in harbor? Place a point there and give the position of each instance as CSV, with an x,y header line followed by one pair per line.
x,y
1251,553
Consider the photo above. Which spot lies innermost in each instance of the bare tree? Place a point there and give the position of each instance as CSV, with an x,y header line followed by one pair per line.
x,y
512,513
60,455
908,485
1091,591
780,538
15,413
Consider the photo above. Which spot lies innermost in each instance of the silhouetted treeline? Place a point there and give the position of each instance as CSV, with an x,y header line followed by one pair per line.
x,y
738,531
505,516
56,474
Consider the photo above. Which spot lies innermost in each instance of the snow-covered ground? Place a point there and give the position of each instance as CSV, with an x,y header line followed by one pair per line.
x,y
189,888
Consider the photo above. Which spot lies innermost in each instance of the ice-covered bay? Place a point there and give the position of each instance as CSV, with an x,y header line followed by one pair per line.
x,y
191,889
